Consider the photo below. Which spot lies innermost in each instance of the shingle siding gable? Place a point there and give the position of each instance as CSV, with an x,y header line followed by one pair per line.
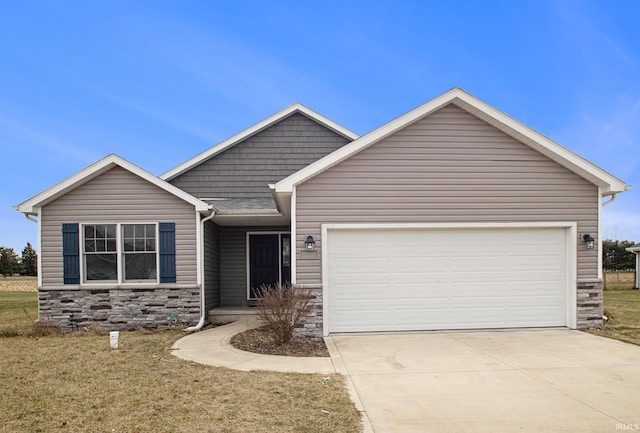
x,y
245,169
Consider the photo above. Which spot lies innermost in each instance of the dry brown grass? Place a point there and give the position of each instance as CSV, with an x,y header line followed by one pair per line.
x,y
622,307
18,313
76,383
19,284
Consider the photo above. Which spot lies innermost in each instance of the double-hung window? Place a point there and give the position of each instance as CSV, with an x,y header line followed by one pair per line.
x,y
100,252
120,253
139,252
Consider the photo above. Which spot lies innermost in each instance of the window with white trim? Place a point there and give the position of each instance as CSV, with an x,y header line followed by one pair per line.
x,y
100,252
120,253
139,252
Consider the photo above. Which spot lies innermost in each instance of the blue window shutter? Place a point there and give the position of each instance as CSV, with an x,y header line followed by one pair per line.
x,y
70,253
167,252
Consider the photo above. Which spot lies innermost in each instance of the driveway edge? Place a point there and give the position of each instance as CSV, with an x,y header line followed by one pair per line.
x,y
340,368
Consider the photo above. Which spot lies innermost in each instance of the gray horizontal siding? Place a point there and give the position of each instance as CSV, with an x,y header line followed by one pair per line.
x,y
447,167
246,169
117,196
233,263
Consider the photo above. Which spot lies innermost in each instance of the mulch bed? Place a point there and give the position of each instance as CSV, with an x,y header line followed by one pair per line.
x,y
259,340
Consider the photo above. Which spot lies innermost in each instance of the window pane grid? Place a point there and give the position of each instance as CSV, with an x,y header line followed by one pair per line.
x,y
139,251
101,260
100,238
139,238
136,253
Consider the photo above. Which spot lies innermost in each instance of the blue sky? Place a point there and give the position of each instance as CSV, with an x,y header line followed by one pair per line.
x,y
158,82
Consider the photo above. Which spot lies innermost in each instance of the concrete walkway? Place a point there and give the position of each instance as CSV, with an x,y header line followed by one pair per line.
x,y
484,381
213,347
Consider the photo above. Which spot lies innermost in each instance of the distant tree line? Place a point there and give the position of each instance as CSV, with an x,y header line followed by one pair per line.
x,y
615,256
11,263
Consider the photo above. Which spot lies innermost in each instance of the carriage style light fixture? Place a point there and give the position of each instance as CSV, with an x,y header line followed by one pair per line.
x,y
588,241
309,243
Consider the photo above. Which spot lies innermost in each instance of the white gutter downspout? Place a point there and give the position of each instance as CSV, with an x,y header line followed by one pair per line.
x,y
611,200
615,194
203,312
28,216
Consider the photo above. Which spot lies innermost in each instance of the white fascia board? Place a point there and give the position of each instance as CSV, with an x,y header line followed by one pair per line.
x,y
31,205
608,183
282,201
441,226
558,153
252,130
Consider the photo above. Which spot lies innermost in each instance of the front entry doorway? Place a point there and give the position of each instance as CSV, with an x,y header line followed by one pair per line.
x,y
269,261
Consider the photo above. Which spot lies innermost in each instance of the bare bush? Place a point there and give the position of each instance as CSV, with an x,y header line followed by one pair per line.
x,y
44,328
282,308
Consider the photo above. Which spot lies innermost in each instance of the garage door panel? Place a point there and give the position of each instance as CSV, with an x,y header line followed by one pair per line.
x,y
418,292
361,264
384,280
470,290
534,287
367,321
398,280
533,263
524,318
401,265
358,293
409,320
471,282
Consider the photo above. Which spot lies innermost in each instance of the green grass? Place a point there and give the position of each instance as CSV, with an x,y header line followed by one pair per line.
x,y
77,383
622,307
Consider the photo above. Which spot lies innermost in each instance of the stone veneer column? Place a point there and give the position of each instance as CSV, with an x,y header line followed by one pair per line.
x,y
312,324
589,303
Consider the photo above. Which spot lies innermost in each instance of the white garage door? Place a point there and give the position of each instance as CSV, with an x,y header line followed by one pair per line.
x,y
426,279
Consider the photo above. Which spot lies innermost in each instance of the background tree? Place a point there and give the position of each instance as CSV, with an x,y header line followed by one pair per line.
x,y
615,257
9,262
29,261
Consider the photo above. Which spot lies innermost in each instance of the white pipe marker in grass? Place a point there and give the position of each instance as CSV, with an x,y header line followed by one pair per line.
x,y
113,338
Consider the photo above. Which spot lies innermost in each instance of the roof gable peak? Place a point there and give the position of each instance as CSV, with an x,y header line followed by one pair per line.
x,y
296,107
608,183
94,170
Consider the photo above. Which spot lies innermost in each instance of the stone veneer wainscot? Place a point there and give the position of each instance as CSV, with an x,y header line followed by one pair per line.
x,y
119,308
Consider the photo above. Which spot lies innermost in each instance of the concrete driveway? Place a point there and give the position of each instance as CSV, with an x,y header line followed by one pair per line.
x,y
499,381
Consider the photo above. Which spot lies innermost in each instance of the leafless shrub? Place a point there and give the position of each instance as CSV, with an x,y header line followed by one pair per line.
x,y
43,328
282,308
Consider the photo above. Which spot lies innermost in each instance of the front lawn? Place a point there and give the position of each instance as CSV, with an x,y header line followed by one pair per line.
x,y
76,383
18,311
622,307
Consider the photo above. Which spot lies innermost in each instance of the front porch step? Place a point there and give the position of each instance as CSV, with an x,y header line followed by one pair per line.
x,y
224,315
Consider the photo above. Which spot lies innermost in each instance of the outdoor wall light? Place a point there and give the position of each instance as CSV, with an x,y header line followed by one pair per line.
x,y
309,243
588,241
